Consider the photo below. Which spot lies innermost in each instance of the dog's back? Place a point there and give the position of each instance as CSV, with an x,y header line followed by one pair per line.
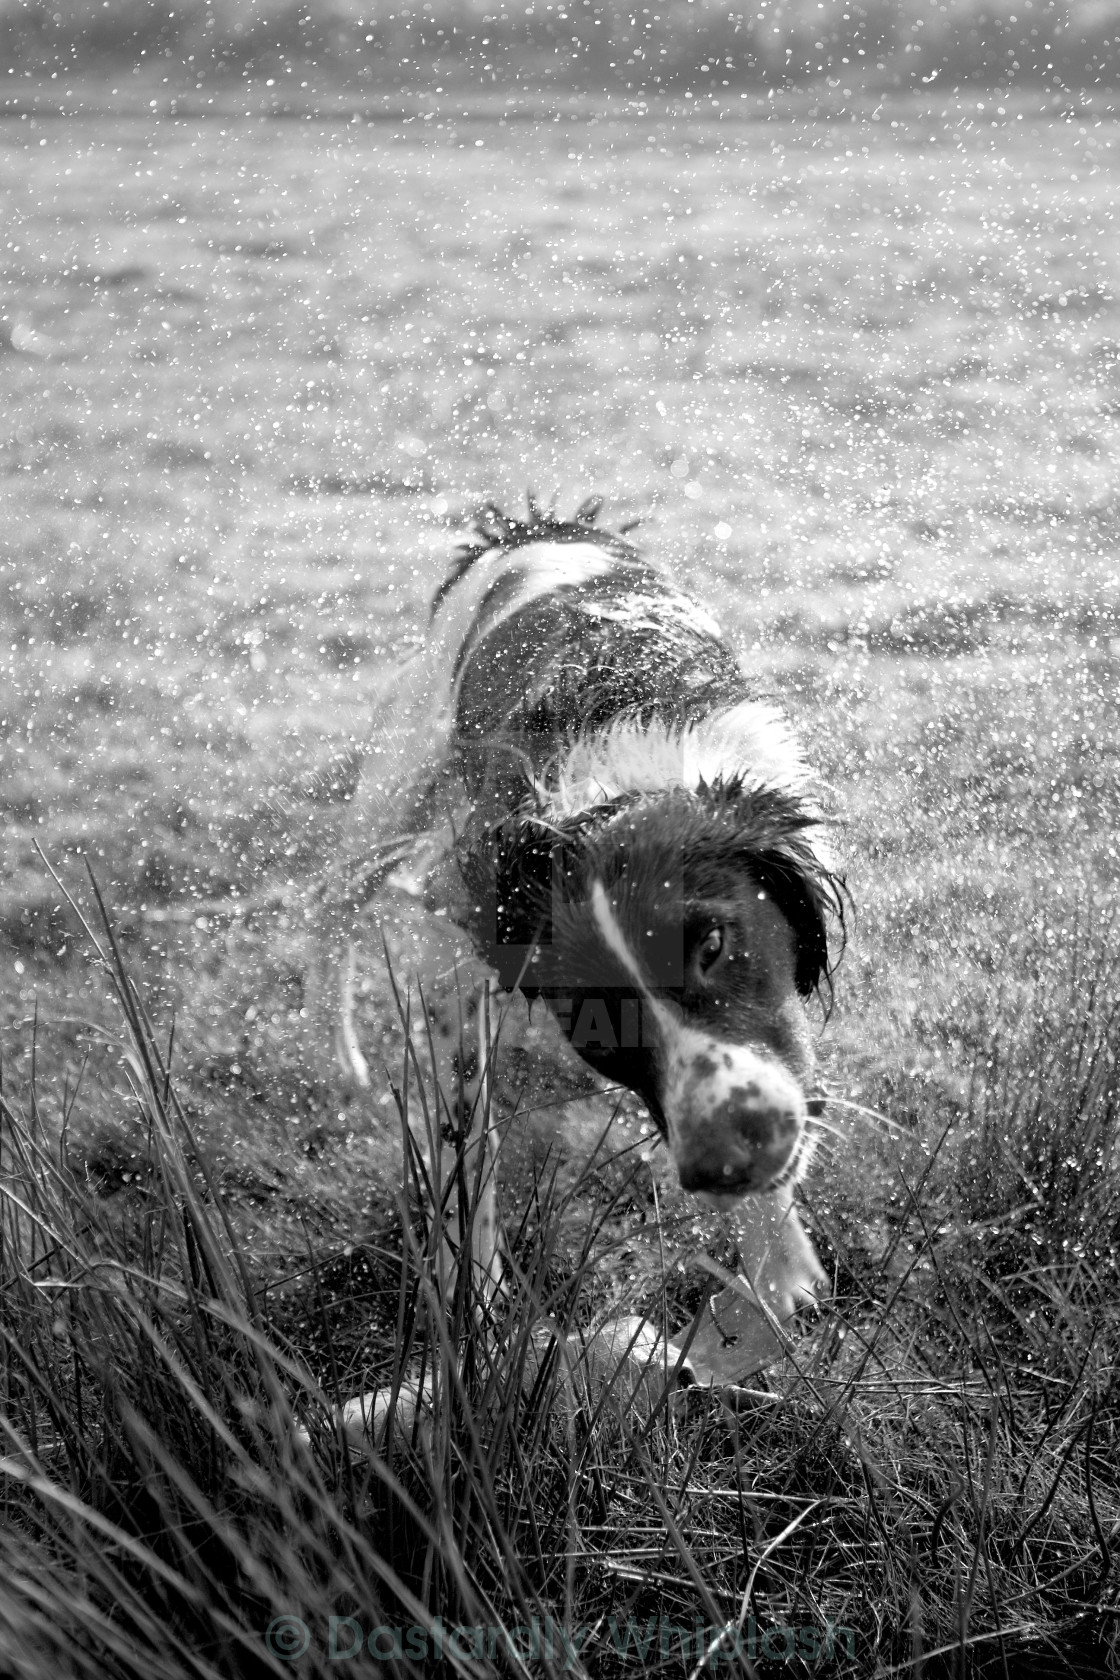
x,y
557,631
544,633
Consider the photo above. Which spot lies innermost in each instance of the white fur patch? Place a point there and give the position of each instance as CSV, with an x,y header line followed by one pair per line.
x,y
752,741
545,566
665,610
615,941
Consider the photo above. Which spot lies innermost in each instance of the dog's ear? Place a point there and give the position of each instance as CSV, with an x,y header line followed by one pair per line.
x,y
809,896
773,832
526,859
515,877
538,863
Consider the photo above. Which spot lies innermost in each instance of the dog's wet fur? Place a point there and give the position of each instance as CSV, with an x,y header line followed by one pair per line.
x,y
577,772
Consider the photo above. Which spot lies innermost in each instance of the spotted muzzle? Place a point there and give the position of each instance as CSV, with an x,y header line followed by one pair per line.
x,y
734,1117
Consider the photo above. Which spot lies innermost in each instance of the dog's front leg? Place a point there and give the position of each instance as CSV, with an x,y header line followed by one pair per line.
x,y
742,1330
775,1254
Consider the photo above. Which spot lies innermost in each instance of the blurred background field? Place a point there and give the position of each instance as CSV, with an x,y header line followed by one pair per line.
x,y
853,357
701,44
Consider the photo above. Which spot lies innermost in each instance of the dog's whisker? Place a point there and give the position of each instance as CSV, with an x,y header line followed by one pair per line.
x,y
867,1113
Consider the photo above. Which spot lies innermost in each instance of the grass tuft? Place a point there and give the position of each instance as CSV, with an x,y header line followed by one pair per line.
x,y
926,1487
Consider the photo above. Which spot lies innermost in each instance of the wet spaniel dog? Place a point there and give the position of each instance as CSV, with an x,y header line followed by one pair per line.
x,y
574,770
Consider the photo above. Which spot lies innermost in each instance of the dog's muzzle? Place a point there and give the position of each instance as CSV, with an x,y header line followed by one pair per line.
x,y
734,1117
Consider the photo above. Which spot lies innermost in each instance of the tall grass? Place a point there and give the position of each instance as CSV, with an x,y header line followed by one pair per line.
x,y
929,1485
183,1496
587,43
1038,1185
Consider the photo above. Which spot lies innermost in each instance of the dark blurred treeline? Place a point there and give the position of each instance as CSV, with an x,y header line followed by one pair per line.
x,y
581,43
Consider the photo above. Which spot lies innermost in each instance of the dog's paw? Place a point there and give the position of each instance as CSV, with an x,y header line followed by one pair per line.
x,y
625,1364
366,1419
776,1258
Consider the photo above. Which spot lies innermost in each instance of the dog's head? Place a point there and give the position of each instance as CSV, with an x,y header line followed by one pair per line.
x,y
674,936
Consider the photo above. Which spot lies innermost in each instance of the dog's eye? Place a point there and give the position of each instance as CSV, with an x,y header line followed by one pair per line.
x,y
709,950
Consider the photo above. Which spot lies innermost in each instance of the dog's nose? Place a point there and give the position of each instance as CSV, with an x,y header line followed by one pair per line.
x,y
734,1117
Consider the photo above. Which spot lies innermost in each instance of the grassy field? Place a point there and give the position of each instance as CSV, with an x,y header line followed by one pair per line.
x,y
860,377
